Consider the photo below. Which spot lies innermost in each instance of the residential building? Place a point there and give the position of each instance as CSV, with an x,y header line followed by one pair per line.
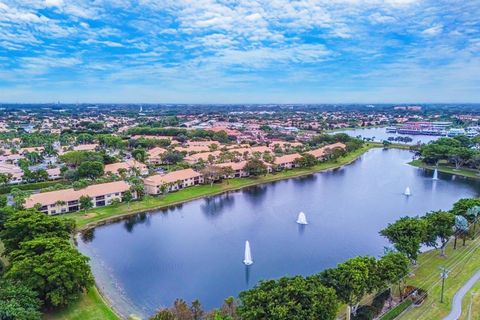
x,y
320,153
129,166
175,180
155,155
287,161
68,200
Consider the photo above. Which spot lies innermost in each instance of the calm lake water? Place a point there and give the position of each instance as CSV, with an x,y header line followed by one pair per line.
x,y
195,250
380,134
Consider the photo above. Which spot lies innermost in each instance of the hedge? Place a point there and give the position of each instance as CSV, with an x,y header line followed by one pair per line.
x,y
32,186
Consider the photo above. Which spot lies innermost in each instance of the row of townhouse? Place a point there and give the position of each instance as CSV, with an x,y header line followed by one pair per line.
x,y
289,161
175,180
68,200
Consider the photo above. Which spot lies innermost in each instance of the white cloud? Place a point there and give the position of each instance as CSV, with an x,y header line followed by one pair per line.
x,y
53,3
433,31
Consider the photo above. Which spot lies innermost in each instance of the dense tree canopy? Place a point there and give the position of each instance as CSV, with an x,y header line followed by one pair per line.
x,y
26,225
288,298
18,302
52,267
407,235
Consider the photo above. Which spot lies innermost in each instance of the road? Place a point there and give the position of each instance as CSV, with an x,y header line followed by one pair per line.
x,y
457,299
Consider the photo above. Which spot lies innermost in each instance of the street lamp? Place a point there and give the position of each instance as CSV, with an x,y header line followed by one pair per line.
x,y
444,275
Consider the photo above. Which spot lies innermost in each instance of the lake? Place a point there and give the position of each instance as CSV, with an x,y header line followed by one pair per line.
x,y
195,250
380,134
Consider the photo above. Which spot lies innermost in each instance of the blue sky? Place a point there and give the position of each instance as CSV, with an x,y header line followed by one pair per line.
x,y
227,51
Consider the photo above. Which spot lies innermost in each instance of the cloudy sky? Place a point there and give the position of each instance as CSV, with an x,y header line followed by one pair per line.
x,y
234,51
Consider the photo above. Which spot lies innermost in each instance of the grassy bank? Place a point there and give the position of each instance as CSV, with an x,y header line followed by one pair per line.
x,y
105,214
91,306
469,173
462,263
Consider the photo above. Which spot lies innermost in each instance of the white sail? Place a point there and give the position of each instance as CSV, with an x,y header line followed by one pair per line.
x,y
248,254
302,219
407,192
435,174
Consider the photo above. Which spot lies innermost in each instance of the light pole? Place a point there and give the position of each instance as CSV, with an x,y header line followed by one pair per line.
x,y
444,275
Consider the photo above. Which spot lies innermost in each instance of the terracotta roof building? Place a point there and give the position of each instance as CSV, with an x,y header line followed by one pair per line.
x,y
175,180
67,200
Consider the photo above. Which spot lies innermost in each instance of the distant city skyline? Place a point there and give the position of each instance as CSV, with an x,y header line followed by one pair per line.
x,y
207,51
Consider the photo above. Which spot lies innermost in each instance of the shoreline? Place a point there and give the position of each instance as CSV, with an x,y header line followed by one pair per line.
x,y
467,173
226,186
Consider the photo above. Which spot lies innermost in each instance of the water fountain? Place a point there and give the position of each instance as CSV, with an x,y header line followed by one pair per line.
x,y
435,174
302,219
407,192
248,254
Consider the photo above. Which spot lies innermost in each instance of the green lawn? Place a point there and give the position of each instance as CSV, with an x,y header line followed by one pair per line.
x,y
471,304
462,263
100,215
90,307
465,172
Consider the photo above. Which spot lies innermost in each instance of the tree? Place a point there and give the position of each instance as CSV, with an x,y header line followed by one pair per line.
x,y
19,197
306,161
352,280
212,173
440,226
164,314
18,302
85,203
255,167
459,156
172,157
460,208
407,234
461,229
196,310
26,225
53,268
90,169
3,200
293,298
5,178
127,197
140,155
393,267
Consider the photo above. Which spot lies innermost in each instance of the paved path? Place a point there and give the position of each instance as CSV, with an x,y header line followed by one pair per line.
x,y
457,299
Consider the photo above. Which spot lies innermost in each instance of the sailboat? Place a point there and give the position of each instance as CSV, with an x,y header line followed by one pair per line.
x,y
302,219
248,254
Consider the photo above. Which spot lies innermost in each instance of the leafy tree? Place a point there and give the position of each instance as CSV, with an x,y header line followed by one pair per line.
x,y
18,302
353,279
213,173
172,157
18,197
75,158
90,169
26,225
288,298
164,314
53,268
393,267
407,234
5,178
255,167
196,310
140,155
3,200
127,197
306,161
460,208
85,203
440,226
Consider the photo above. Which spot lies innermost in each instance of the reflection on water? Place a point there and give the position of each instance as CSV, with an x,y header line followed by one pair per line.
x,y
195,250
